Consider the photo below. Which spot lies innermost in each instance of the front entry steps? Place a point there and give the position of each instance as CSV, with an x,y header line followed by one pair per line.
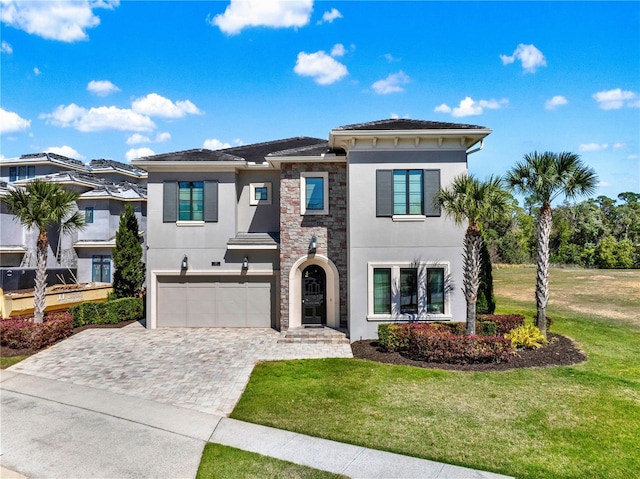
x,y
315,335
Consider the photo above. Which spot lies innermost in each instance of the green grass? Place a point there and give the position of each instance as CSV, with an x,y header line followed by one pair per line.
x,y
560,422
10,361
222,462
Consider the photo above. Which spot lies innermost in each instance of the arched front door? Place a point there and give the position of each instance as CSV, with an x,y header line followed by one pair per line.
x,y
314,291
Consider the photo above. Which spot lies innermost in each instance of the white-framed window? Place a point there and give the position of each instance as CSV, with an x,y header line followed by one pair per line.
x,y
260,194
408,291
314,193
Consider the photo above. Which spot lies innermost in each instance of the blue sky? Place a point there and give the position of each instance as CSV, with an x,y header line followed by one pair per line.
x,y
108,79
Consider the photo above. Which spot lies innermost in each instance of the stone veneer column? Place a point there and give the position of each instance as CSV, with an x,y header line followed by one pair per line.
x,y
296,230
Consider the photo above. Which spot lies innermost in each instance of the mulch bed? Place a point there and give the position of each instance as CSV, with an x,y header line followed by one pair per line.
x,y
7,352
559,351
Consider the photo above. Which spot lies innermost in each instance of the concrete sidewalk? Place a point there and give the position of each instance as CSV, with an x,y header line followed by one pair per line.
x,y
52,428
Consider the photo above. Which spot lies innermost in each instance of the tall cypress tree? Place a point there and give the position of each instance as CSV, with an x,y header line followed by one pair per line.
x,y
127,257
486,303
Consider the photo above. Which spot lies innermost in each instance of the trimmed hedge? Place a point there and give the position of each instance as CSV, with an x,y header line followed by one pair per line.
x,y
434,345
110,312
22,333
444,342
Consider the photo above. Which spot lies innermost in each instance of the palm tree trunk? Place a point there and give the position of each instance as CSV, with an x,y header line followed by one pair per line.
x,y
542,277
472,247
39,293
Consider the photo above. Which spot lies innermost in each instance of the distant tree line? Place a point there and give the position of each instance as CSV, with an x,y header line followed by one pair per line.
x,y
600,232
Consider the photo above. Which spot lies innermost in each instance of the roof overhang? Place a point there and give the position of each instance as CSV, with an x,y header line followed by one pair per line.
x,y
12,249
324,158
383,139
188,166
95,244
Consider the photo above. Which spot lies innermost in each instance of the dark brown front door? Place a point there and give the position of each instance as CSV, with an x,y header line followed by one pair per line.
x,y
313,296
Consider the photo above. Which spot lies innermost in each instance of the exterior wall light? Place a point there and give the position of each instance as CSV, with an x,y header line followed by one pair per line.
x,y
313,245
185,264
245,263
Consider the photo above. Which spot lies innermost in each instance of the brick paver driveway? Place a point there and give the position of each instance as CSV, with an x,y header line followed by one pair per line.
x,y
202,369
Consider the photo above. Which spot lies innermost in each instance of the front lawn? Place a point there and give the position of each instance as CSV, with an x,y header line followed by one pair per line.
x,y
565,422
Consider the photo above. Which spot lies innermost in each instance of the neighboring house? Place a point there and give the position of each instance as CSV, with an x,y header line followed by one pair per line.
x,y
304,231
104,187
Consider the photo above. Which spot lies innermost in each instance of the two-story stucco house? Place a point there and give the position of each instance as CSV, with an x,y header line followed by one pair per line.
x,y
305,231
104,186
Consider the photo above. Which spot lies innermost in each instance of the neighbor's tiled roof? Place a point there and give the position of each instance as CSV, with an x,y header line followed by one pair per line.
x,y
405,124
105,164
55,158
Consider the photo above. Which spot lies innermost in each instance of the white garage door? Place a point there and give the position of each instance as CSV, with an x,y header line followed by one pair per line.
x,y
207,302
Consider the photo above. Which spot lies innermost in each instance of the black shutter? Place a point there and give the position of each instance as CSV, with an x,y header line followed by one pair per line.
x,y
431,188
384,192
170,201
211,201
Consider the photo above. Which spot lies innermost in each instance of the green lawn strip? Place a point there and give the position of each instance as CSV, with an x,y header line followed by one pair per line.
x,y
10,361
223,462
565,422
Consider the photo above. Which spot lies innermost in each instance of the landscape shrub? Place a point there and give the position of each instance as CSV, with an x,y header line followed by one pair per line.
x,y
487,328
504,322
527,337
393,337
110,312
22,333
435,344
444,342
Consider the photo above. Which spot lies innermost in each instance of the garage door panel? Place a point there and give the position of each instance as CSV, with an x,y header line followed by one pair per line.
x,y
172,305
232,305
201,305
258,295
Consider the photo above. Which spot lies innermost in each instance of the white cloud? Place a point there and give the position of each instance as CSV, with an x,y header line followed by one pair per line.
x,y
331,15
66,21
162,137
321,67
604,184
98,119
530,57
156,105
616,99
102,87
593,147
338,50
391,84
633,156
215,144
134,153
137,138
390,58
619,146
11,122
470,107
65,151
555,102
263,13
6,47
37,72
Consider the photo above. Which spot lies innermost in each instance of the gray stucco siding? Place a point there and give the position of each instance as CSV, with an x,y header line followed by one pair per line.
x,y
261,218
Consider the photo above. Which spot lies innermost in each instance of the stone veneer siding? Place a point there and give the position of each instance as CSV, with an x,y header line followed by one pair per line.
x,y
296,230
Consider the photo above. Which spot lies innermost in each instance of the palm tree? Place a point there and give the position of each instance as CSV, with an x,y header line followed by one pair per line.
x,y
470,201
544,177
42,205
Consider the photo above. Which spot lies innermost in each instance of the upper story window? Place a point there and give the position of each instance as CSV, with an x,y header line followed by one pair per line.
x,y
88,215
21,172
260,193
190,201
314,193
407,193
